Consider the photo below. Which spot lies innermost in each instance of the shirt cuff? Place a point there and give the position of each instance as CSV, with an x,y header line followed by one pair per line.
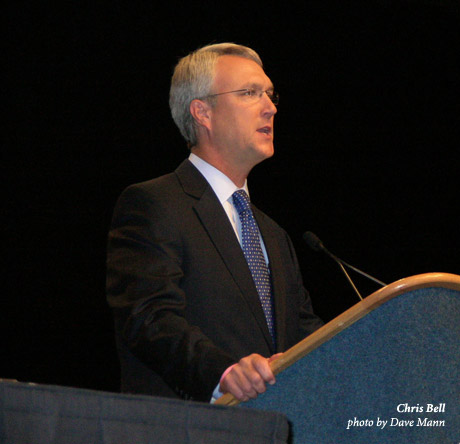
x,y
217,393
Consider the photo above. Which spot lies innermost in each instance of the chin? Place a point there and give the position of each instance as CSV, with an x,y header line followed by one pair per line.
x,y
269,151
260,152
264,155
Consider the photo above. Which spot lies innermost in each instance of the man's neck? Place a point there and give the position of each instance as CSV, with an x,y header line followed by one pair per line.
x,y
237,175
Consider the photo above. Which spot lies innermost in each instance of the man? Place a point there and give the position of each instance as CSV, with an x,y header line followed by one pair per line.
x,y
195,314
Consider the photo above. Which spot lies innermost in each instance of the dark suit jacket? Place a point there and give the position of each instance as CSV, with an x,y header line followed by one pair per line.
x,y
184,301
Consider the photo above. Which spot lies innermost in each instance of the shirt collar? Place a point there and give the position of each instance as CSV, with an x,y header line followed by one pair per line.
x,y
222,185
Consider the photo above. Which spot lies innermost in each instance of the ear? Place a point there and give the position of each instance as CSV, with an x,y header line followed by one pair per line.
x,y
201,112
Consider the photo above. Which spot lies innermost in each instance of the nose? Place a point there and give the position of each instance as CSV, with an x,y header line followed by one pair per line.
x,y
269,108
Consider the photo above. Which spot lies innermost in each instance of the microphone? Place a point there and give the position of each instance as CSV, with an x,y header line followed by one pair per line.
x,y
313,241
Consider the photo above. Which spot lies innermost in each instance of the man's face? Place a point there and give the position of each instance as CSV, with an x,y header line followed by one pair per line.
x,y
241,127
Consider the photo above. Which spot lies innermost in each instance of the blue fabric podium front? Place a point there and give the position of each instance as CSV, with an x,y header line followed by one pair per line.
x,y
41,414
399,363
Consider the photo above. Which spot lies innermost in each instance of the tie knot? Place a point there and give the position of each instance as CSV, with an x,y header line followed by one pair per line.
x,y
241,201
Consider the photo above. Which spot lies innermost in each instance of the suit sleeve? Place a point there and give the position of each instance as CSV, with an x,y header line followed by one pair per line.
x,y
144,272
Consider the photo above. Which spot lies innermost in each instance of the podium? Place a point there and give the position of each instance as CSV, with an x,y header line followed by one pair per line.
x,y
385,371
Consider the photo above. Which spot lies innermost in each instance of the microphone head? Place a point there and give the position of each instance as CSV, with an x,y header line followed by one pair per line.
x,y
313,241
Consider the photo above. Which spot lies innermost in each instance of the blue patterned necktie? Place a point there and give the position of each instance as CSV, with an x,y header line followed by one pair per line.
x,y
254,255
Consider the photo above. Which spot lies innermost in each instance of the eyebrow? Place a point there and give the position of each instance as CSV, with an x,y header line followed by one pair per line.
x,y
257,86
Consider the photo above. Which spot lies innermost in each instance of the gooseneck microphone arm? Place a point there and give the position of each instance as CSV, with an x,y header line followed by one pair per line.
x,y
349,279
315,244
359,271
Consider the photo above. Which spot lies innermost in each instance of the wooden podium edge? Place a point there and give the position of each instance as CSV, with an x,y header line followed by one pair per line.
x,y
350,316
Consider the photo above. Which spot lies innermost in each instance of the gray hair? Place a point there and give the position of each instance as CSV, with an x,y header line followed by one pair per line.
x,y
193,78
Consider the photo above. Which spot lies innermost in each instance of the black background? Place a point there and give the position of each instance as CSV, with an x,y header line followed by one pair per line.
x,y
366,144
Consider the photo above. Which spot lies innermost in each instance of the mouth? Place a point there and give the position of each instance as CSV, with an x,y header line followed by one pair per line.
x,y
265,130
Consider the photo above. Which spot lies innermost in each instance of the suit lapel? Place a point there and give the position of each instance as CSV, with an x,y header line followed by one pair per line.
x,y
220,231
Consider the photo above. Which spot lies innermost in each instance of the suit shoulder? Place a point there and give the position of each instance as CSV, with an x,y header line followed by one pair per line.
x,y
160,189
185,180
155,185
154,196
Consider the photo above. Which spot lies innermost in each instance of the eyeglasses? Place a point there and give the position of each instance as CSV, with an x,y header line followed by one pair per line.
x,y
251,94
